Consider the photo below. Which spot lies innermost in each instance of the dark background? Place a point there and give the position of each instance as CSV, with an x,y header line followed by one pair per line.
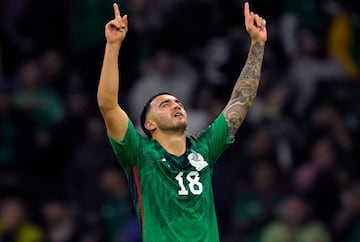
x,y
295,162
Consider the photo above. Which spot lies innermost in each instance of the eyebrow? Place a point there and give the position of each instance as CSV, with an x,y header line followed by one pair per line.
x,y
168,100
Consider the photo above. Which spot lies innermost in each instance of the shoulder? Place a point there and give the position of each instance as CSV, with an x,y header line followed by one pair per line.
x,y
218,124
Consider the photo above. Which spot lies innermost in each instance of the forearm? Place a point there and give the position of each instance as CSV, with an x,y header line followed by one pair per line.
x,y
245,88
108,88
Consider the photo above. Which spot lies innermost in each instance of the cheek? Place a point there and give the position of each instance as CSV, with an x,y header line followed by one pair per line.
x,y
161,116
185,115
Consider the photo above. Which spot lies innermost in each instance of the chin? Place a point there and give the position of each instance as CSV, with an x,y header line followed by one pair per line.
x,y
181,126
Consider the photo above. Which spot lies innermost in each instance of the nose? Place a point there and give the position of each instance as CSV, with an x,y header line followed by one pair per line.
x,y
176,106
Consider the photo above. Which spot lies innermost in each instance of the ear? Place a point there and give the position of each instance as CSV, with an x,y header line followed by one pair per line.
x,y
150,125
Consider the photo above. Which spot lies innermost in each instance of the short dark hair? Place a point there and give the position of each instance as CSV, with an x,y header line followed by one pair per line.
x,y
145,111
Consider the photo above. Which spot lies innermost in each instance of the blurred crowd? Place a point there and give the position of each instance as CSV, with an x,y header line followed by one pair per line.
x,y
293,173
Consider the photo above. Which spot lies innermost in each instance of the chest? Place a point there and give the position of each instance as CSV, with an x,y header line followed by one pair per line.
x,y
182,176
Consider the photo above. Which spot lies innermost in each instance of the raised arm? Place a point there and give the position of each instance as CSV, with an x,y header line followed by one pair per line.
x,y
116,120
246,86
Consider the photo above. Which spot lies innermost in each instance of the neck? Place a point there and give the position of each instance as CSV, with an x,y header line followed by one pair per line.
x,y
174,144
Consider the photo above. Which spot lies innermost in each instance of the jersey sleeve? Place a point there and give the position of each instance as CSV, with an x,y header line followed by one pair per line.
x,y
217,138
126,150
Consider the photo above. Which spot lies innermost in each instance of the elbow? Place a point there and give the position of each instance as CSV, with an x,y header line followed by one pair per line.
x,y
101,100
105,102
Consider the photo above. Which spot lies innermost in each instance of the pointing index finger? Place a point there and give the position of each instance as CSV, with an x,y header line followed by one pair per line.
x,y
116,11
246,9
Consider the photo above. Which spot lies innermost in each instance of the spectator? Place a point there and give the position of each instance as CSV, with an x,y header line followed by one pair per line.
x,y
309,66
15,226
116,209
296,224
43,106
90,156
347,221
255,207
59,222
166,72
76,114
55,72
16,140
316,180
341,39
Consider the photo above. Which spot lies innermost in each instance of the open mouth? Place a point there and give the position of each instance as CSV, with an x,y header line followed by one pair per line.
x,y
178,114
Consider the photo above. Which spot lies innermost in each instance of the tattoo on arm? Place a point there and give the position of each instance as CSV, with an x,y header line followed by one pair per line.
x,y
245,89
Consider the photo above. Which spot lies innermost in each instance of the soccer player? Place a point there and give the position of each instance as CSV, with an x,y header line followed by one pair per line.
x,y
169,174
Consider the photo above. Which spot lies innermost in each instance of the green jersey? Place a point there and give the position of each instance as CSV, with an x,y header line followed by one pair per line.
x,y
173,195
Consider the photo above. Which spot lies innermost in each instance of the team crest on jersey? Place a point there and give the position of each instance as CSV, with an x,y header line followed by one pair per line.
x,y
197,160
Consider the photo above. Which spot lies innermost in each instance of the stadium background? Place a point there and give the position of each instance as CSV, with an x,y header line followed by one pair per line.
x,y
295,166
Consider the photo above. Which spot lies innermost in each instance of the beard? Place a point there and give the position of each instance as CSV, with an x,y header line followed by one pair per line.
x,y
178,127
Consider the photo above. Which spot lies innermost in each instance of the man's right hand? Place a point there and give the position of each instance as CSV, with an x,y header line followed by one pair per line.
x,y
115,30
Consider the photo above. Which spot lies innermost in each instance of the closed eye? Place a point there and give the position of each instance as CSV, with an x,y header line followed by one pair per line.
x,y
164,103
